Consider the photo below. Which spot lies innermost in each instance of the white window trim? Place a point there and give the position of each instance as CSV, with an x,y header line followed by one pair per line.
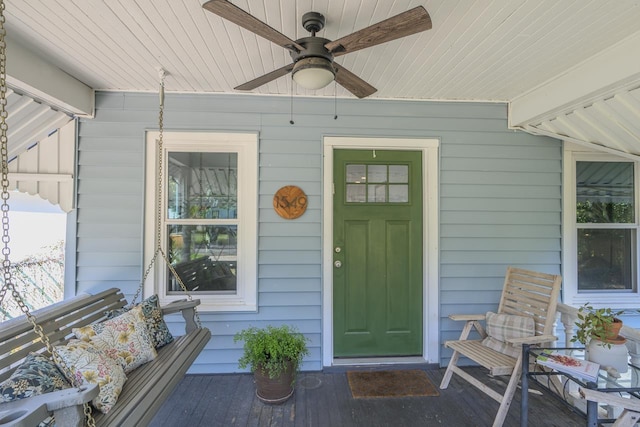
x,y
246,145
622,300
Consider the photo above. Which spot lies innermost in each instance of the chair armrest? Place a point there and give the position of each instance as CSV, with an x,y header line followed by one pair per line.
x,y
467,317
473,321
536,339
33,410
188,312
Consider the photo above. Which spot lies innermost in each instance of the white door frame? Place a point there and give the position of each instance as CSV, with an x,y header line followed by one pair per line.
x,y
431,312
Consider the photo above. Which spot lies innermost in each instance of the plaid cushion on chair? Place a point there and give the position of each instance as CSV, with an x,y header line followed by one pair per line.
x,y
502,327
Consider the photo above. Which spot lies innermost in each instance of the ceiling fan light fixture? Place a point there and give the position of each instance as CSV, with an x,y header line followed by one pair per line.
x,y
313,72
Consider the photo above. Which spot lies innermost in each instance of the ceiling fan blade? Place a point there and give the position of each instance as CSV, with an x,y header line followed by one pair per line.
x,y
247,21
410,22
353,83
259,81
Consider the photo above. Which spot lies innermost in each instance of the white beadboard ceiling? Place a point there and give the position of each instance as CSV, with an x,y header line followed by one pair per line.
x,y
478,50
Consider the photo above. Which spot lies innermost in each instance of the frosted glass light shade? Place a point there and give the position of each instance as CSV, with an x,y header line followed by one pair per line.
x,y
313,73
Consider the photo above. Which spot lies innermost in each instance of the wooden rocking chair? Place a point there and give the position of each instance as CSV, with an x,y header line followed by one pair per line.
x,y
527,294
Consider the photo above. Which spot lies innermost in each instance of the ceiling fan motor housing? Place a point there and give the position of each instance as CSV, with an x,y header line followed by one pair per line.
x,y
313,47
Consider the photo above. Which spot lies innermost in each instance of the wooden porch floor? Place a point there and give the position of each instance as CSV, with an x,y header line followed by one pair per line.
x,y
324,399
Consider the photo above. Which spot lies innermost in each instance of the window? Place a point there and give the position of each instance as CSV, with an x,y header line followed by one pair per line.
x,y
378,183
601,227
208,218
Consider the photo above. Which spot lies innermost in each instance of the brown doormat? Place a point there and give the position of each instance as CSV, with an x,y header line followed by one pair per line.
x,y
390,384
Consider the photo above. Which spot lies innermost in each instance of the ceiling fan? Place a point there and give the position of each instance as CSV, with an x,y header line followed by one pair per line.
x,y
313,66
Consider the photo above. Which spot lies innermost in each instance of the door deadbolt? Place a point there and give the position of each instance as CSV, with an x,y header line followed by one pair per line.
x,y
338,249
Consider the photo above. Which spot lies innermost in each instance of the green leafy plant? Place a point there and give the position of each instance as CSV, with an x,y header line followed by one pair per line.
x,y
595,323
272,348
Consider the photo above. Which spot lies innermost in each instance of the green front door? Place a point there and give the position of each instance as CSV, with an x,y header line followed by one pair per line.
x,y
377,253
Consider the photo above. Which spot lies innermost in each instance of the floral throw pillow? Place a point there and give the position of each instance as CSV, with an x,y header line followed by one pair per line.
x,y
91,366
124,338
156,325
36,375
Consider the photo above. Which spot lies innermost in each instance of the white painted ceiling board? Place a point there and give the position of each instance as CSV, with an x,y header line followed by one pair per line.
x,y
477,50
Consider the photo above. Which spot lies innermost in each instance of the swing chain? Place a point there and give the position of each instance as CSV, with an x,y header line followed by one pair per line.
x,y
6,263
158,194
158,236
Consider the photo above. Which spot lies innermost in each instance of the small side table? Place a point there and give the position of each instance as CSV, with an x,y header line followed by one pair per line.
x,y
606,384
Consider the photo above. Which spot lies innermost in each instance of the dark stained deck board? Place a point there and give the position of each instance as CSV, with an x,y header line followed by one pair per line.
x,y
323,399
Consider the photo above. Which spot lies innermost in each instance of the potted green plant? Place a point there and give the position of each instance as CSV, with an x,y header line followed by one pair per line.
x,y
602,324
598,330
274,355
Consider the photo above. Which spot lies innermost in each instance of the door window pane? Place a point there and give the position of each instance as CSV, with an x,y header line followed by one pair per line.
x,y
377,193
376,173
356,173
356,193
605,259
398,193
399,173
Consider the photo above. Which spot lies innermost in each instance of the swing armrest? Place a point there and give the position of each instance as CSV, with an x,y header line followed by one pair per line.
x,y
187,308
65,404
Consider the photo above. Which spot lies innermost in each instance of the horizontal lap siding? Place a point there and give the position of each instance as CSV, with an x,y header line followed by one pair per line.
x,y
500,205
499,197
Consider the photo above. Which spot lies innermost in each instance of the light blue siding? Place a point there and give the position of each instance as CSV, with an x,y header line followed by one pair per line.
x,y
500,200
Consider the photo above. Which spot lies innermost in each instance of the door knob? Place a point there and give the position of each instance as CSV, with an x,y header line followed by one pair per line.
x,y
337,264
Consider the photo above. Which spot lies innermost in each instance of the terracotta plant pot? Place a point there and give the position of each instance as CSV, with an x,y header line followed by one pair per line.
x,y
613,332
274,390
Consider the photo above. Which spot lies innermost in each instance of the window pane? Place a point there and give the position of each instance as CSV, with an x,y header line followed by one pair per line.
x,y
399,173
377,193
377,173
604,192
356,173
399,193
605,259
204,256
202,185
356,193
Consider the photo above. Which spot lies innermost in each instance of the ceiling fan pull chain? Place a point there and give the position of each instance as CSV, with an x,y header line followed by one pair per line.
x,y
335,100
291,122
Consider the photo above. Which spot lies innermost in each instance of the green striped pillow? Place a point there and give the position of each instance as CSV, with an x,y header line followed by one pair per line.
x,y
502,327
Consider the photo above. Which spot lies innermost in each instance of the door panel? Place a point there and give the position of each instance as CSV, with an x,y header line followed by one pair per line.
x,y
378,282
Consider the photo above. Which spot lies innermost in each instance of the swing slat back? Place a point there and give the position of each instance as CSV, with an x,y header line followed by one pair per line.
x,y
146,387
17,337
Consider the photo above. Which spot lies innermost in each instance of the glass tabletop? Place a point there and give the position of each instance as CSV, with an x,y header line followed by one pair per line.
x,y
609,379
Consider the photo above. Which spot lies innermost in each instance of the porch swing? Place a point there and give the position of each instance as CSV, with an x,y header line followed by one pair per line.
x,y
49,333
